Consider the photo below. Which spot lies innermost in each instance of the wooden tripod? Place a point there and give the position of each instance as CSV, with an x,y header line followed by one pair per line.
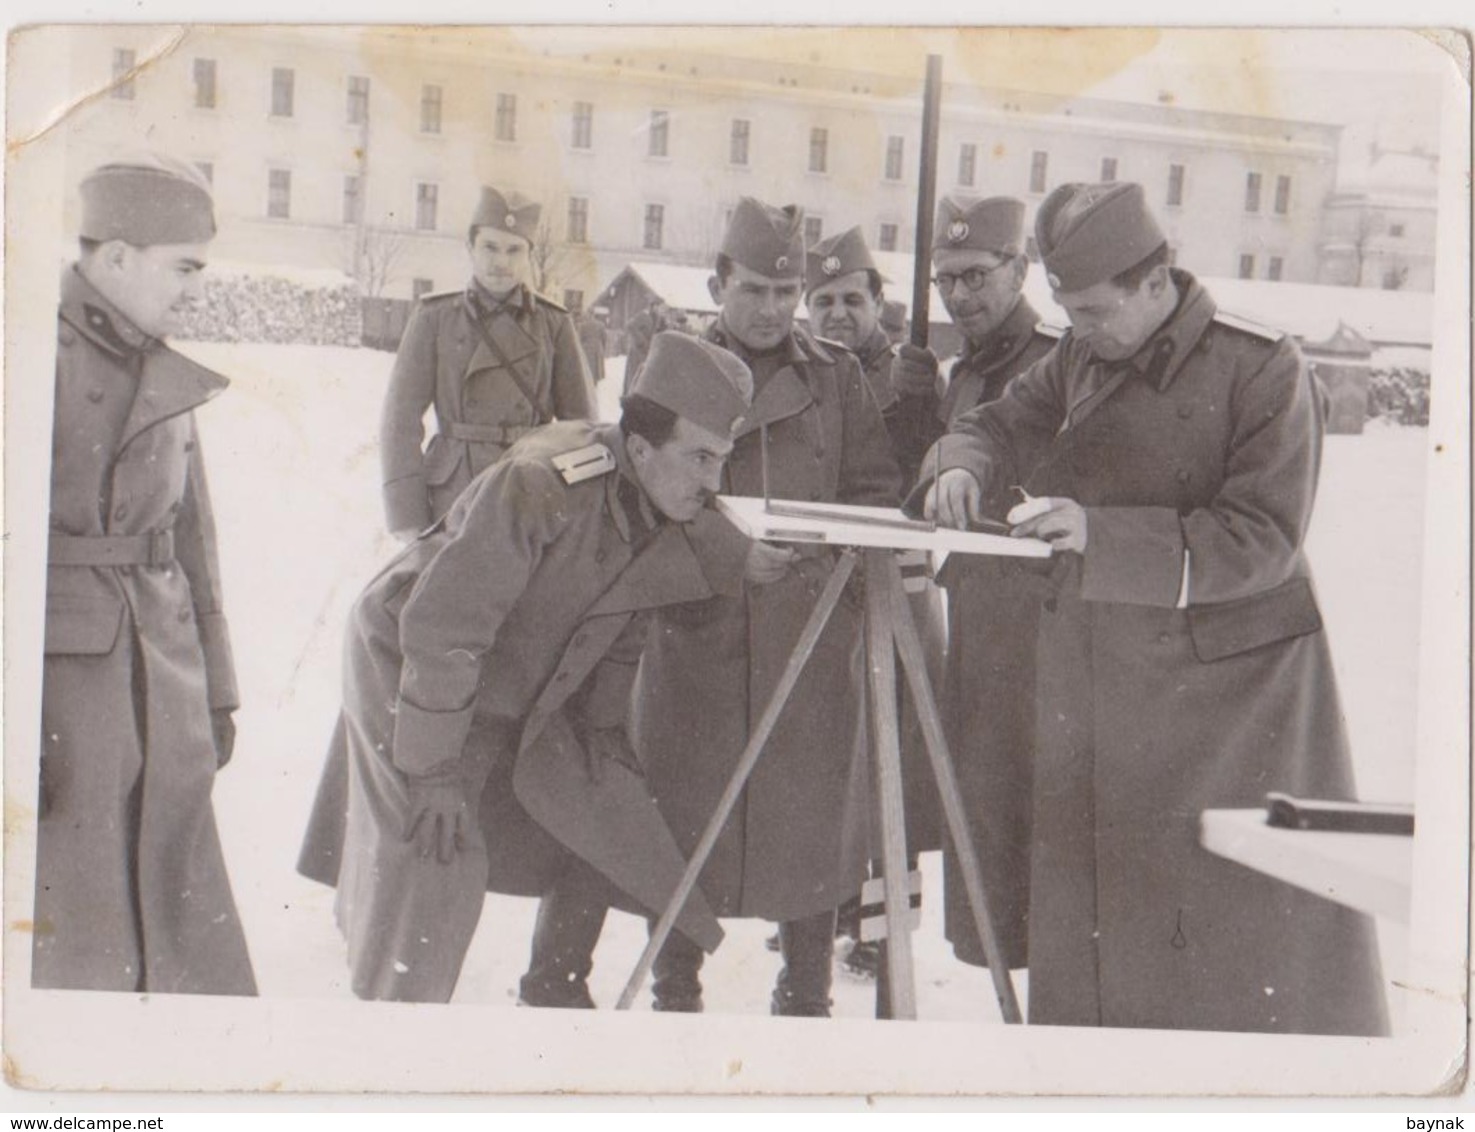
x,y
890,632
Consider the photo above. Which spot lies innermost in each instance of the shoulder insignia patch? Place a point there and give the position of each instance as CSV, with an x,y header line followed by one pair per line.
x,y
1049,330
433,296
547,302
584,463
1258,329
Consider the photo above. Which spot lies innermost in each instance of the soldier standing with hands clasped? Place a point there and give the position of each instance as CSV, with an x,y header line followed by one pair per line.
x,y
494,359
1182,660
138,684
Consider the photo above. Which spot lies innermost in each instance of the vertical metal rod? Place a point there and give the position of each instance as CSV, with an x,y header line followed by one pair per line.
x,y
818,618
914,664
763,461
926,201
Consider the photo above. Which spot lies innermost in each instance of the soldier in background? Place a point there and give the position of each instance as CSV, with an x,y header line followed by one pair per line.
x,y
592,335
894,320
795,846
138,684
639,332
988,696
1171,455
494,359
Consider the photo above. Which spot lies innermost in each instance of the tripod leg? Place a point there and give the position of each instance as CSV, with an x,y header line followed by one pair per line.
x,y
914,664
818,618
886,766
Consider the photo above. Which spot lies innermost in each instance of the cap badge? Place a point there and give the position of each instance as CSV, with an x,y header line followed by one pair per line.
x,y
831,265
1054,280
511,221
781,263
957,231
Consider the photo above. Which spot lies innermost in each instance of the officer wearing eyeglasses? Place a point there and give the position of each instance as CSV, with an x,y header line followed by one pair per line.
x,y
993,603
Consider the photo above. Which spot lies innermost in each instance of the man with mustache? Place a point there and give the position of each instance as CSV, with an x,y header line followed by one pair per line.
x,y
1170,453
795,846
487,682
495,359
138,686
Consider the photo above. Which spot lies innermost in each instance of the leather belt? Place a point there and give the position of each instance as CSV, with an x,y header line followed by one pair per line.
x,y
485,434
156,548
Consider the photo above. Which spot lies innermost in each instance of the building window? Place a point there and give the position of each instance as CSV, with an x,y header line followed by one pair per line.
x,y
819,149
887,241
427,200
895,151
279,194
1108,169
1246,266
655,223
1039,170
737,148
660,134
358,100
430,106
1175,185
353,198
578,220
207,170
506,128
573,299
1276,268
124,60
1282,195
583,125
967,164
204,84
283,79
814,230
421,286
1252,192
1395,230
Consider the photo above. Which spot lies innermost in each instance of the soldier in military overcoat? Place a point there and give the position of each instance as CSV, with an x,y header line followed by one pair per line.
x,y
138,685
487,680
993,603
795,846
1183,664
495,360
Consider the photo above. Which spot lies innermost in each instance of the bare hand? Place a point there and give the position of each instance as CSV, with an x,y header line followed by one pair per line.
x,y
1060,522
768,563
437,817
955,500
223,731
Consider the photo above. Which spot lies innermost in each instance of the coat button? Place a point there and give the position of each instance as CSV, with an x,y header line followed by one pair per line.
x,y
184,615
189,445
579,640
120,512
1050,605
1164,638
1183,475
94,395
1184,412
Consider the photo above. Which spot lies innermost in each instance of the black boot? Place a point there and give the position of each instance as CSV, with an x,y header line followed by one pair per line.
x,y
677,986
570,918
803,988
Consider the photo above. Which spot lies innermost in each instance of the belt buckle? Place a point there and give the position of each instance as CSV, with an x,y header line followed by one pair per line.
x,y
161,548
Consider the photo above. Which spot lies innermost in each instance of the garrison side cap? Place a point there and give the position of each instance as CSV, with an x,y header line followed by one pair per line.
x,y
836,256
145,199
766,239
508,211
1090,233
989,224
696,379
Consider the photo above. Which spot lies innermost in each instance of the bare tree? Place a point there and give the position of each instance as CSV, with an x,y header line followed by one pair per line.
x,y
548,260
1367,228
374,253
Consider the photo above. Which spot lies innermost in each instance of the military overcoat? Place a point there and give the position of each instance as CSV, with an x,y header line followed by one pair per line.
x,y
132,891
477,654
492,370
1200,455
796,843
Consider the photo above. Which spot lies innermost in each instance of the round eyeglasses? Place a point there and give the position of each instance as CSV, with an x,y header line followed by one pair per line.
x,y
974,278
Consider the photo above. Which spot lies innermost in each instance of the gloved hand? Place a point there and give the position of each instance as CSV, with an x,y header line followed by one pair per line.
x,y
436,815
223,730
915,371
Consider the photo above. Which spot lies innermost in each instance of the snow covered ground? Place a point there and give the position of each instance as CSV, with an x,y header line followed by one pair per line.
x,y
294,472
